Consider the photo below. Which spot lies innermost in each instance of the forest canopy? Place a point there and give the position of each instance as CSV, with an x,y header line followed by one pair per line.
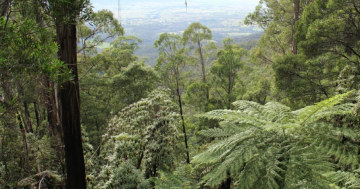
x,y
281,111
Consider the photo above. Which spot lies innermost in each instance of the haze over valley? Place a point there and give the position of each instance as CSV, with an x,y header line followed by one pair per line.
x,y
148,19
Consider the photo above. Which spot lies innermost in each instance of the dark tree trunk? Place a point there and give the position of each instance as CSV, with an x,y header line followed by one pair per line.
x,y
138,166
4,6
183,122
70,109
54,125
229,92
4,160
37,116
52,111
226,184
296,17
27,120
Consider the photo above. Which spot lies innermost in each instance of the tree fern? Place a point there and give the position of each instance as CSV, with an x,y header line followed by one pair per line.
x,y
346,179
270,146
182,178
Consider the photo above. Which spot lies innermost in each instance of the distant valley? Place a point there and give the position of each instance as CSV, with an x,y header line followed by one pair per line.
x,y
148,19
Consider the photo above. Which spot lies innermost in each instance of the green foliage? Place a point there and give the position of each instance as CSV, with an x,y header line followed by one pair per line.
x,y
305,81
171,62
196,95
198,37
271,146
60,10
104,26
276,18
196,33
145,134
134,82
46,179
327,31
301,78
109,85
23,47
258,144
126,176
121,53
345,178
226,68
182,178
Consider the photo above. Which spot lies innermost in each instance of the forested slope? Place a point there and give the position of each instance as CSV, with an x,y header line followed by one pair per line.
x,y
278,109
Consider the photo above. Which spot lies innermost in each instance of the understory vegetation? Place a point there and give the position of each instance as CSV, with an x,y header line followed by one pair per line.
x,y
281,112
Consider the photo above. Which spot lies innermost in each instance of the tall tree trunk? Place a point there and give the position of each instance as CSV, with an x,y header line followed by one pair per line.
x,y
54,124
202,62
296,17
53,110
27,120
70,108
4,6
229,92
4,159
26,149
183,121
36,109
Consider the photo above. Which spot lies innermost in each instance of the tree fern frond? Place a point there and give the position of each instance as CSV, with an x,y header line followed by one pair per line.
x,y
277,112
221,149
310,114
270,146
347,179
215,132
335,142
232,127
179,179
236,117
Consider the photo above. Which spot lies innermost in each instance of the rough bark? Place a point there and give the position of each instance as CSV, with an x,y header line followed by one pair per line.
x,y
296,17
27,120
54,125
52,110
4,5
70,109
4,159
36,110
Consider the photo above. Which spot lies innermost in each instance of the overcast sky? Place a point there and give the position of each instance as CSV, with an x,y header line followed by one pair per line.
x,y
113,4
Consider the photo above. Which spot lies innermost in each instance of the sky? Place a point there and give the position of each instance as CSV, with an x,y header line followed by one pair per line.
x,y
112,5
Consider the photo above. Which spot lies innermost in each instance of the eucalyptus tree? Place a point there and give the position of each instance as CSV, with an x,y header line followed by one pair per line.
x,y
28,53
103,27
66,13
226,67
170,65
198,36
196,91
122,52
330,29
134,82
281,46
110,81
328,55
